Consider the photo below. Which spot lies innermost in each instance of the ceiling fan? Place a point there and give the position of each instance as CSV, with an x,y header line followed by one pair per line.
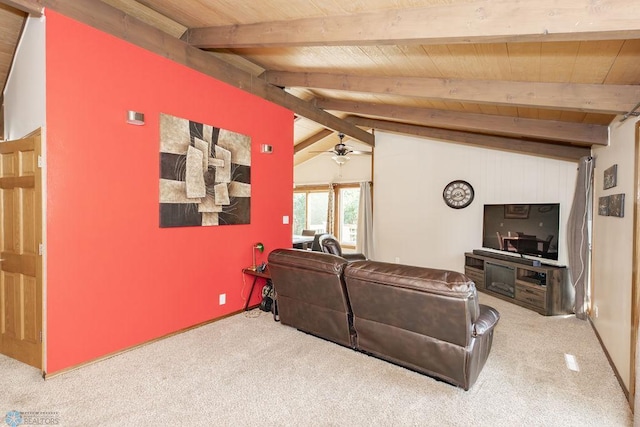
x,y
341,151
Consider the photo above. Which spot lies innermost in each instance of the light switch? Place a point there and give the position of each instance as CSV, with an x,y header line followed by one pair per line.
x,y
285,219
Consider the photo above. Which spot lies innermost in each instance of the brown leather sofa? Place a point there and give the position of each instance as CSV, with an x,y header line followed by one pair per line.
x,y
423,319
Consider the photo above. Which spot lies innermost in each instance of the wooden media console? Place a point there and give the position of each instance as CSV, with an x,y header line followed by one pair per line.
x,y
544,288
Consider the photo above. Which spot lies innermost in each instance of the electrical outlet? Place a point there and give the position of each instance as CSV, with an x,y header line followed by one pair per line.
x,y
595,311
223,299
285,219
397,260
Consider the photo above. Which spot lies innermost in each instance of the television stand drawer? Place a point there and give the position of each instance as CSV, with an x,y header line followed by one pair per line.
x,y
531,295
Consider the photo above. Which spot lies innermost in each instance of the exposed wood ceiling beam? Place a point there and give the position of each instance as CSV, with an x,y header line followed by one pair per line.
x,y
597,98
555,151
124,26
149,16
478,21
171,27
576,133
32,7
311,140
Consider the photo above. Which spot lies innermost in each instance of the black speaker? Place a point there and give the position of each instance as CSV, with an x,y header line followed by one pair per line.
x,y
266,303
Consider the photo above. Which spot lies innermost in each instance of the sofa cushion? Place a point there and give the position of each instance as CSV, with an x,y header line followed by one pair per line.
x,y
442,282
436,303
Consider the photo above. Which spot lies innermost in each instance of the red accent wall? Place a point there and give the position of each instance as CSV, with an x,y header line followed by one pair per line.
x,y
114,278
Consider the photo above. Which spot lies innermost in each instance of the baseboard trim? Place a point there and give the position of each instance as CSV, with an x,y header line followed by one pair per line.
x,y
613,366
47,376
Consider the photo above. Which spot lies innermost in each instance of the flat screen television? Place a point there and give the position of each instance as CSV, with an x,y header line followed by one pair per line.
x,y
523,229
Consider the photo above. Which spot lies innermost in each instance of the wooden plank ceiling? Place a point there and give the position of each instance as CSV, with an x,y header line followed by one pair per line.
x,y
11,22
543,77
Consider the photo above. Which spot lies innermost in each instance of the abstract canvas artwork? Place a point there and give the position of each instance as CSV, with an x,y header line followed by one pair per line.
x,y
616,205
603,206
610,177
205,174
612,205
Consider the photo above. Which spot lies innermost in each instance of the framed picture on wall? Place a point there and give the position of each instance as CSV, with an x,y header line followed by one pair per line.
x,y
205,174
603,206
616,205
516,211
611,177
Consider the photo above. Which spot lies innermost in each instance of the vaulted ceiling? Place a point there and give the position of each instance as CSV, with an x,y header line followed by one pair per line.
x,y
545,77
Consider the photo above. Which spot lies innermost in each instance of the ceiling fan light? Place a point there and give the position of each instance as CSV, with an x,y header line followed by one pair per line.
x,y
341,160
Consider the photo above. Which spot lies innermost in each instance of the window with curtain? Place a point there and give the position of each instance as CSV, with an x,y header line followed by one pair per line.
x,y
311,208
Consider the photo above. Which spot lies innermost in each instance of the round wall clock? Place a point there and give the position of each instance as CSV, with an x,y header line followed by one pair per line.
x,y
458,194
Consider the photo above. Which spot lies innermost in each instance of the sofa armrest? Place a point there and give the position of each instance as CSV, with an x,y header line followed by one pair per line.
x,y
354,257
488,318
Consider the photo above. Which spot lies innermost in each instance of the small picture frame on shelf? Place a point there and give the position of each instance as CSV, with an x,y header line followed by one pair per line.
x,y
611,177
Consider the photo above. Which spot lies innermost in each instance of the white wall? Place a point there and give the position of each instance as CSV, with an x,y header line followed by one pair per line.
x,y
24,94
411,221
612,253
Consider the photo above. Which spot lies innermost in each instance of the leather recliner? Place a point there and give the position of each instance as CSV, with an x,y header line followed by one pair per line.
x,y
424,319
315,246
311,294
330,245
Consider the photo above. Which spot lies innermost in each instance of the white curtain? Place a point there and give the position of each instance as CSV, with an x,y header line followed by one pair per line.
x,y
364,243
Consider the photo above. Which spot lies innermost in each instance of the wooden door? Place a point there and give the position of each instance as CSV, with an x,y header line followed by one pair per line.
x,y
20,250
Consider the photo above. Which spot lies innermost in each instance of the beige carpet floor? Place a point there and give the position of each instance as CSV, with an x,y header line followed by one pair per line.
x,y
247,370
